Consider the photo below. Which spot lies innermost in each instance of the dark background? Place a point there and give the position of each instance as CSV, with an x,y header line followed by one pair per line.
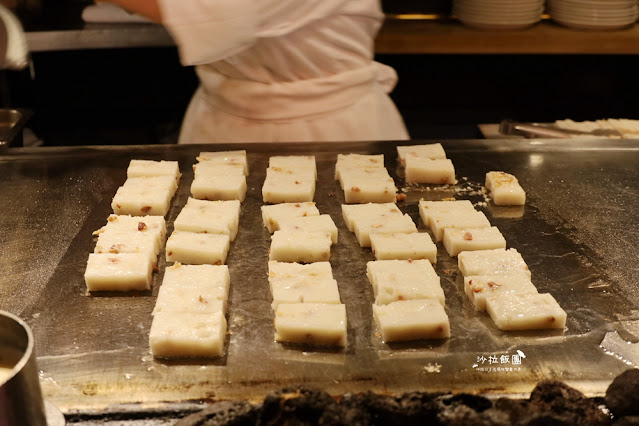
x,y
138,95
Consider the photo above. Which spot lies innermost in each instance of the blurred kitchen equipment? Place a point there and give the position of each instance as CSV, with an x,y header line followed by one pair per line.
x,y
14,53
498,14
534,130
20,396
12,123
593,14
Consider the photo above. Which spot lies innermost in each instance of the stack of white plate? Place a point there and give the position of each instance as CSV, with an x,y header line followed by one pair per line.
x,y
594,14
498,14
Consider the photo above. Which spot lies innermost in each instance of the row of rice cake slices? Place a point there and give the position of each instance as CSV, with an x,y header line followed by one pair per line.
x,y
306,302
126,252
189,319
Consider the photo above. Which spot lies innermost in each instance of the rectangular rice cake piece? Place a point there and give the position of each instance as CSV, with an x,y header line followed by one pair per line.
x,y
429,209
479,287
179,275
505,189
194,299
219,188
412,320
211,169
289,273
359,174
359,190
492,262
416,245
311,323
434,151
155,225
139,168
474,219
197,249
144,196
392,287
307,290
322,223
274,215
300,246
237,157
353,212
378,267
457,240
128,242
213,217
425,170
529,311
365,227
194,288
295,161
288,185
188,335
118,272
357,161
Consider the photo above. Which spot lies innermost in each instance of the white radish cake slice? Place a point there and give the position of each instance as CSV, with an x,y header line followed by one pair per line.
x,y
300,246
213,217
457,240
492,262
392,287
288,185
479,287
474,219
273,215
529,311
295,161
118,272
399,267
412,320
188,335
306,290
311,323
364,227
288,273
200,299
216,188
434,151
505,189
370,192
429,209
356,175
357,161
128,242
214,182
353,212
155,225
237,157
179,275
425,170
144,196
197,249
416,245
209,169
322,223
139,168
194,288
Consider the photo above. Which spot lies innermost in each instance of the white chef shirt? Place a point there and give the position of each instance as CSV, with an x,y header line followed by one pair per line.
x,y
284,71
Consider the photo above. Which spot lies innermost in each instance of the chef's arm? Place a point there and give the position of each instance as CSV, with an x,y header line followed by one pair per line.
x,y
148,8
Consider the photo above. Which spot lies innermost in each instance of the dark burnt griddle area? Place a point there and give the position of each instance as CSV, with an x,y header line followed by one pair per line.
x,y
550,403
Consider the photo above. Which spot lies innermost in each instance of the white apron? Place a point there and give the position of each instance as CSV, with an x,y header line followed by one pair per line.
x,y
284,71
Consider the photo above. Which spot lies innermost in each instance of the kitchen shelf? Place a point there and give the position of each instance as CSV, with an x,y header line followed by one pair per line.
x,y
397,36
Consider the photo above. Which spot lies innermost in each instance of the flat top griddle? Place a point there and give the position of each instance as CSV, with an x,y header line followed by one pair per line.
x,y
577,232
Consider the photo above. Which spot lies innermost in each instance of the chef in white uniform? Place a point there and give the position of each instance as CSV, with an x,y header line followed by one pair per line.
x,y
281,70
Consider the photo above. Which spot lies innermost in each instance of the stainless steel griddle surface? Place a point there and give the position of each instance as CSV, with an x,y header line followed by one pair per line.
x,y
577,232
